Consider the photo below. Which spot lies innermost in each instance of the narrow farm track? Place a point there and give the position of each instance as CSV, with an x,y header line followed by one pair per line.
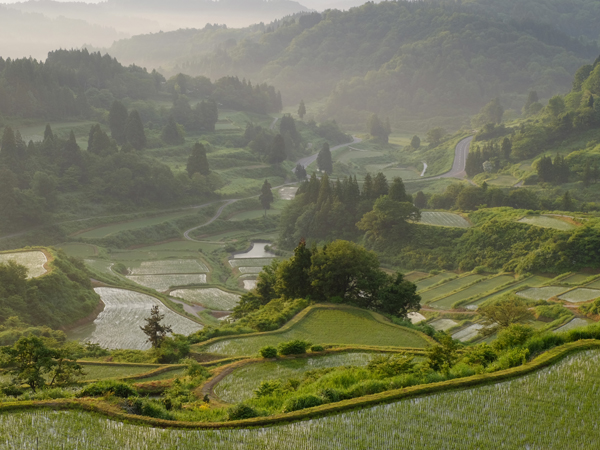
x,y
215,217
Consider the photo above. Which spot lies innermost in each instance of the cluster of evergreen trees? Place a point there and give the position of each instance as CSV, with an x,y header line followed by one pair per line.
x,y
556,171
324,210
490,158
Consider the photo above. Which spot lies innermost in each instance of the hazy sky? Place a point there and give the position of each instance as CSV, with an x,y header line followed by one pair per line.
x,y
314,4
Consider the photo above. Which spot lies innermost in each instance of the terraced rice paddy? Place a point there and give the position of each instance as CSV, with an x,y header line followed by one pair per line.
x,y
212,298
79,250
580,295
326,326
100,372
577,278
532,281
443,324
162,283
543,293
256,262
34,261
448,287
255,270
415,276
468,333
118,326
288,193
415,317
551,409
575,323
444,219
475,290
179,266
100,265
249,284
257,251
428,282
240,384
548,222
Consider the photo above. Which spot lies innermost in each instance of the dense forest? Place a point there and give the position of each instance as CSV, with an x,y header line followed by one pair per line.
x,y
402,59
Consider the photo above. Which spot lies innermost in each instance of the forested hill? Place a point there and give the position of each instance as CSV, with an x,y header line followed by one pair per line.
x,y
403,59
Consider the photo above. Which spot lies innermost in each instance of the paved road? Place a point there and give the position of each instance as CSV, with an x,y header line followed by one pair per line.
x,y
305,162
460,160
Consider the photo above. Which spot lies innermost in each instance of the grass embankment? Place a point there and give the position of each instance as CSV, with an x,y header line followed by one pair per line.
x,y
545,360
323,324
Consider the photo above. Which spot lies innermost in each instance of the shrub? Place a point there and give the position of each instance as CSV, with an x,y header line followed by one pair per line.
x,y
295,347
513,336
332,395
541,343
11,390
511,358
150,408
368,387
268,352
267,388
241,411
317,348
117,388
302,402
386,366
194,369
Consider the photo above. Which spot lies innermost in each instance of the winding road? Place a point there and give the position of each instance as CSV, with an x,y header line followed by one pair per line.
x,y
305,162
460,161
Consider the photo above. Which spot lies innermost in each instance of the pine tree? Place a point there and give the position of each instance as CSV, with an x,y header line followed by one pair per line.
x,y
8,148
324,160
156,331
506,148
302,110
266,196
117,121
171,134
566,203
300,172
134,131
415,142
367,190
197,161
398,191
48,135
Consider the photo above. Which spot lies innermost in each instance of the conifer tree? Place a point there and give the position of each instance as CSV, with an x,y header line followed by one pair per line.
x,y
154,329
397,191
415,142
300,172
171,134
134,131
420,200
277,154
302,110
380,185
48,135
117,121
367,190
324,160
197,161
266,196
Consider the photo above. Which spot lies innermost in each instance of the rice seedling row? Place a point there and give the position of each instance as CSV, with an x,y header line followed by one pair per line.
x,y
473,291
179,266
118,326
443,324
162,283
102,371
239,385
428,282
548,222
254,270
555,408
577,278
78,250
533,281
254,262
448,287
34,261
444,219
580,295
575,323
542,293
468,333
326,326
211,298
249,284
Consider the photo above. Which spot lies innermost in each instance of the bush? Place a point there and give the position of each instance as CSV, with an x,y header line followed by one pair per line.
x,y
513,336
117,388
317,348
541,343
241,411
268,352
295,347
302,402
11,390
368,387
149,408
511,358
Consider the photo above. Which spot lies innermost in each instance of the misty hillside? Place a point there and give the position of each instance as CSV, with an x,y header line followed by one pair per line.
x,y
402,59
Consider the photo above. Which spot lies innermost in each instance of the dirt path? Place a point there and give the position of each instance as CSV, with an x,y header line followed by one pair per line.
x,y
215,217
209,387
193,310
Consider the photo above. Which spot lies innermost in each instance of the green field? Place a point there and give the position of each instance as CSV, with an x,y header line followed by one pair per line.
x,y
503,180
542,293
171,266
475,290
577,278
532,281
554,408
326,326
79,250
250,262
240,384
257,213
444,219
448,287
580,295
427,283
99,372
162,283
548,222
102,232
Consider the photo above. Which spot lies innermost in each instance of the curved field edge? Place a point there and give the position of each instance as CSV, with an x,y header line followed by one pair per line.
x,y
48,252
303,314
551,357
